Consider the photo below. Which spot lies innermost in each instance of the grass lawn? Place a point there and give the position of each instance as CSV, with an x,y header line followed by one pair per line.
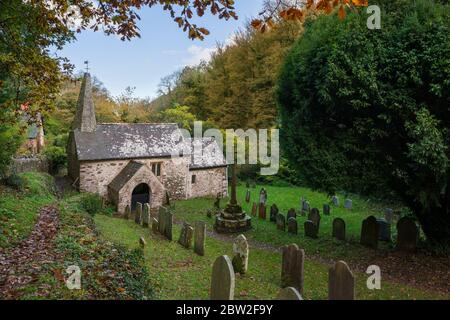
x,y
177,273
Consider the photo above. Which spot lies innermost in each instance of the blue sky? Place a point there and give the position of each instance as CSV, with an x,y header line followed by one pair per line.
x,y
162,49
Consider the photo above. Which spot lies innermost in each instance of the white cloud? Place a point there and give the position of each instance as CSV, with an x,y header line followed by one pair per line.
x,y
197,54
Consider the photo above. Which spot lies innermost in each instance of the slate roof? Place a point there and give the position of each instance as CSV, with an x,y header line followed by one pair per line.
x,y
209,156
127,141
125,175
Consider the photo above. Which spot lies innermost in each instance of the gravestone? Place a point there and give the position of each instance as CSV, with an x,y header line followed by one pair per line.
x,y
262,211
162,220
384,230
369,232
281,222
314,216
155,225
165,219
306,207
326,209
339,229
348,204
127,213
292,225
240,251
247,196
186,235
142,242
389,215
138,214
222,279
291,214
273,213
263,196
335,200
199,237
407,235
341,282
254,209
292,267
311,229
289,293
146,215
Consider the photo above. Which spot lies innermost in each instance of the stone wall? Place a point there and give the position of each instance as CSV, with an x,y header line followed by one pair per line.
x,y
208,183
20,165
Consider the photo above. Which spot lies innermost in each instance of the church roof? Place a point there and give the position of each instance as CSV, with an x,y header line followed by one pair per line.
x,y
125,175
209,156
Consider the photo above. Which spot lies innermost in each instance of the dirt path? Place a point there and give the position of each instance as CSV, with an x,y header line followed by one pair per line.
x,y
22,264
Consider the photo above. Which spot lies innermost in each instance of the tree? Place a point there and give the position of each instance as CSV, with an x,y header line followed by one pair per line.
x,y
360,106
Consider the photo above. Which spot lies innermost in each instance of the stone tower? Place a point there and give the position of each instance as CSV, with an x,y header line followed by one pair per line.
x,y
85,118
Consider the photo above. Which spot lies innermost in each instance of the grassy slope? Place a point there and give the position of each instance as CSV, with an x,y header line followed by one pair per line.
x,y
177,273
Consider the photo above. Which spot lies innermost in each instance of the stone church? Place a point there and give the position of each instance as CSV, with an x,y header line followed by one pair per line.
x,y
129,163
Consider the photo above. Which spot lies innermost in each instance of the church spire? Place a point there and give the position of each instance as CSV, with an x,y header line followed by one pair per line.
x,y
85,117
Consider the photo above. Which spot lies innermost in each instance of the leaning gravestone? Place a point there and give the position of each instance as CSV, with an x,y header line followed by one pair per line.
x,y
155,225
384,229
389,215
407,235
199,237
314,216
247,196
306,207
326,209
339,229
348,204
162,219
186,235
222,279
262,211
335,200
281,222
146,215
291,214
165,219
292,267
341,282
292,225
254,209
273,213
311,229
369,232
127,213
240,251
289,293
138,214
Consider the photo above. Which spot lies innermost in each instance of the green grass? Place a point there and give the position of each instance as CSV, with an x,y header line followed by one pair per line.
x,y
177,273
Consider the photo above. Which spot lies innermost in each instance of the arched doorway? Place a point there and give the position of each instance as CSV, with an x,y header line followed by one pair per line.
x,y
140,194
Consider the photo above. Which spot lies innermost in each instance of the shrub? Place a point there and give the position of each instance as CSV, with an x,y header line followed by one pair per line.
x,y
56,156
92,203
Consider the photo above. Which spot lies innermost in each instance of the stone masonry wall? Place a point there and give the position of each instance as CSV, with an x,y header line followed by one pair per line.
x,y
209,183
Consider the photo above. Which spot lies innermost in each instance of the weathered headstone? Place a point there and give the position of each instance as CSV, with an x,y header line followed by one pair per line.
x,y
155,225
165,219
186,235
314,216
127,212
339,229
263,196
254,209
262,211
292,267
240,251
142,242
138,214
222,279
369,232
281,222
306,207
291,214
146,215
311,229
292,225
341,282
348,204
389,215
199,237
384,230
289,293
326,209
247,196
162,219
407,235
335,200
273,213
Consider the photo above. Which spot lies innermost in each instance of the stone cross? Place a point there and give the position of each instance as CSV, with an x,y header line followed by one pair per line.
x,y
407,235
186,235
339,229
222,280
326,209
146,215
348,204
289,293
291,214
138,215
240,251
341,282
335,200
369,232
273,213
292,225
292,267
127,212
281,222
262,211
199,237
247,196
254,209
311,229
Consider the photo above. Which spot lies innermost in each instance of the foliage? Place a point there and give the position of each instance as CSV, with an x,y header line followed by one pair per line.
x,y
363,110
92,203
57,157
